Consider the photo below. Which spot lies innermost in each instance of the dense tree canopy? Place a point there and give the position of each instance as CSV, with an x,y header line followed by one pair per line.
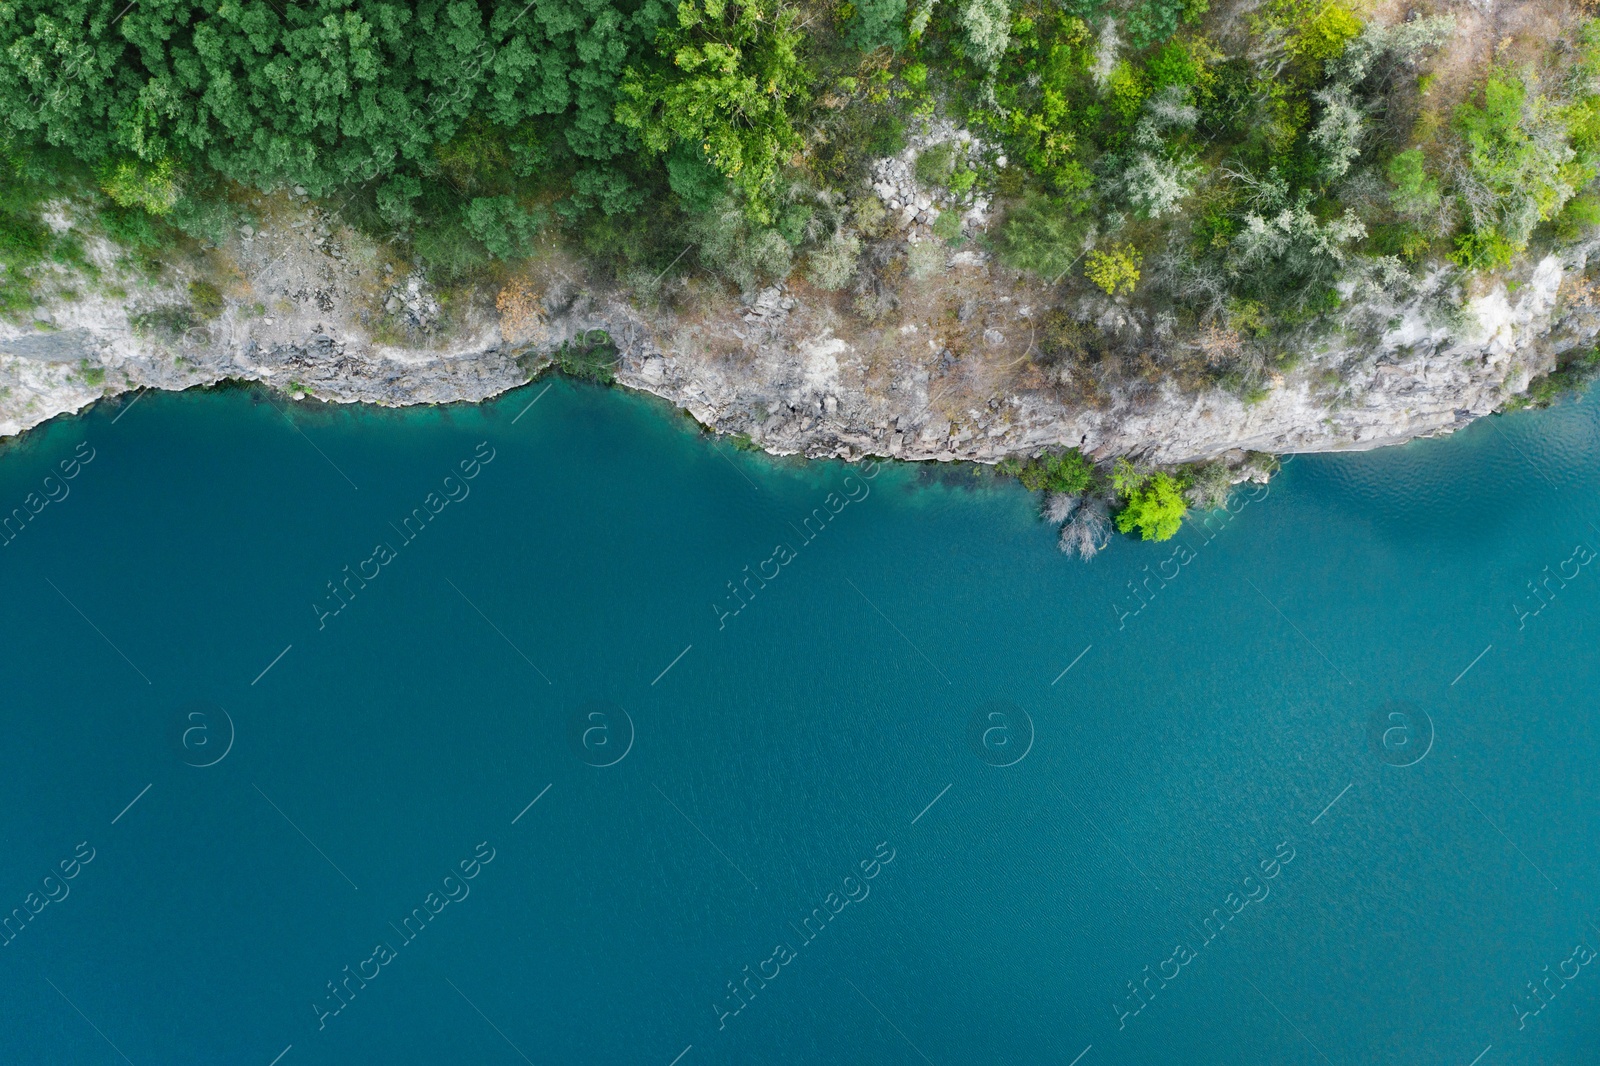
x,y
320,93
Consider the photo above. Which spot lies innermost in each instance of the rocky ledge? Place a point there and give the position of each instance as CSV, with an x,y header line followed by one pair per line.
x,y
949,366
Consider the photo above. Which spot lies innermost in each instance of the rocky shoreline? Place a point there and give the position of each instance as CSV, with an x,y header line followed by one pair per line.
x,y
318,311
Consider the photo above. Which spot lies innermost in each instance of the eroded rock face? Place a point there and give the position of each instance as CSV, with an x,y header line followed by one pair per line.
x,y
315,309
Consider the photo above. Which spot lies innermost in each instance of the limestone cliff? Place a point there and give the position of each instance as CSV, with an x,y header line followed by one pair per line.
x,y
951,368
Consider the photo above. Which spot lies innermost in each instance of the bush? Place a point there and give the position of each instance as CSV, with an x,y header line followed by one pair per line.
x,y
1087,531
589,357
1573,372
206,299
1069,471
947,227
877,24
1155,508
833,265
925,259
1519,173
505,227
1414,192
1154,21
1042,235
986,25
134,183
1209,485
1116,270
746,253
935,164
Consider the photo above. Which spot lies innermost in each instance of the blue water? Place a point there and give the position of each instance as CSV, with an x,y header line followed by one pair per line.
x,y
1320,792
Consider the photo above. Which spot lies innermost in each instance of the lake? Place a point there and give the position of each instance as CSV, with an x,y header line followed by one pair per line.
x,y
553,731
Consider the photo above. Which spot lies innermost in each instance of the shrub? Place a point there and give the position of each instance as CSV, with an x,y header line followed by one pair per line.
x,y
505,227
206,299
1116,270
1209,485
697,183
986,25
947,227
1156,508
877,24
1042,235
590,357
1087,531
833,265
924,259
1414,192
1069,471
1572,373
154,187
1154,21
935,164
1518,173
744,252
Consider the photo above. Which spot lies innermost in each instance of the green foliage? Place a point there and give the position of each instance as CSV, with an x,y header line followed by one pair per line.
x,y
1115,269
1415,191
877,24
136,229
1521,169
1043,235
1056,470
205,298
698,184
1581,213
935,164
833,265
1153,21
728,77
1127,479
986,25
1314,31
1175,64
1155,507
167,322
947,227
589,357
741,250
1128,89
1573,373
135,183
1207,485
506,228
321,92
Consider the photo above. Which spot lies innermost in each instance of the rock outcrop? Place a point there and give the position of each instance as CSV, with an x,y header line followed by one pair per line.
x,y
950,373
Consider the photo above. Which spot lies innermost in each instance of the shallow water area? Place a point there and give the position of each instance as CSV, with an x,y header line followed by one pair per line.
x,y
553,731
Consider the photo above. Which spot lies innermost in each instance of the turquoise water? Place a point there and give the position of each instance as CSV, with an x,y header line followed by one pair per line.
x,y
554,778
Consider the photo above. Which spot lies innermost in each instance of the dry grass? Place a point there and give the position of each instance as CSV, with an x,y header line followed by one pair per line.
x,y
521,317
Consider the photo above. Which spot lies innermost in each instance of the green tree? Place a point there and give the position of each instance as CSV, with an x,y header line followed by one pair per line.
x,y
1155,508
1521,170
729,78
